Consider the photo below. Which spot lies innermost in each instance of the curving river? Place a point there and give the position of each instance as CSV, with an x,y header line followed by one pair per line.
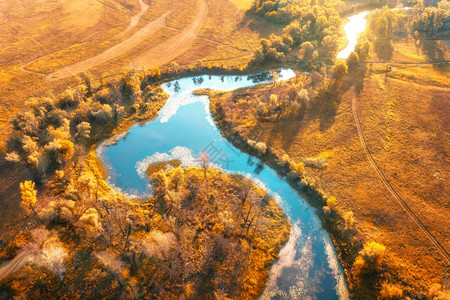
x,y
308,266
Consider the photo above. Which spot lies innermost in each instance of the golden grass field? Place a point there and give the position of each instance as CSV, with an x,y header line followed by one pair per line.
x,y
404,116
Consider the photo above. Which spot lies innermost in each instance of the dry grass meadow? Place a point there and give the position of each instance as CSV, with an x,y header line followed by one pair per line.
x,y
404,116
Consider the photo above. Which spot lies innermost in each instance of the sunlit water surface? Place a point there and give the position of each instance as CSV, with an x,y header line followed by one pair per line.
x,y
355,25
308,267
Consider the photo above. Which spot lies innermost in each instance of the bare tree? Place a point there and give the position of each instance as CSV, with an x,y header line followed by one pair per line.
x,y
52,257
204,161
112,264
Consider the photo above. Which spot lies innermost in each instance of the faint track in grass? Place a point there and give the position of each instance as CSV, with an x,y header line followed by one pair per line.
x,y
112,52
15,264
168,50
154,57
383,178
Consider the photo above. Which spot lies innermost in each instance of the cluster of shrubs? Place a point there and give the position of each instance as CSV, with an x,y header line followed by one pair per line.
x,y
385,22
46,135
312,29
277,11
431,20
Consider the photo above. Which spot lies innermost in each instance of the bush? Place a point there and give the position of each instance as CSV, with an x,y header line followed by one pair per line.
x,y
331,202
317,162
349,219
340,69
261,147
389,291
300,167
370,258
353,62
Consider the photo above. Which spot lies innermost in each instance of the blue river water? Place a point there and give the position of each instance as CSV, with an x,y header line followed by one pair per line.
x,y
308,267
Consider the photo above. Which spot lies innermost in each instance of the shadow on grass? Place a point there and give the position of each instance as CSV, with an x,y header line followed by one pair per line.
x,y
383,48
435,52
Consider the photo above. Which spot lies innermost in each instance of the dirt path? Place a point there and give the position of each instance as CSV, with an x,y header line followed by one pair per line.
x,y
133,22
407,63
383,178
15,264
175,46
159,55
112,52
135,19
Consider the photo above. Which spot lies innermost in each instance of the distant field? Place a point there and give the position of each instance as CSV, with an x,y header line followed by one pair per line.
x,y
242,4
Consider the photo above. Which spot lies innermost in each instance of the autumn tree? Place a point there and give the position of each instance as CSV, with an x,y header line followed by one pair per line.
x,y
158,244
52,257
353,62
38,237
112,264
28,191
363,50
369,258
261,147
83,131
90,221
12,156
340,69
349,219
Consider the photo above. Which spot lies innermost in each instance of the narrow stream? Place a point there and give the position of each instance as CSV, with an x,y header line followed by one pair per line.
x,y
308,267
355,25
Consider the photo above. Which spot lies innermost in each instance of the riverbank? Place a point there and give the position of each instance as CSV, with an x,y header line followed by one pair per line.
x,y
301,182
344,174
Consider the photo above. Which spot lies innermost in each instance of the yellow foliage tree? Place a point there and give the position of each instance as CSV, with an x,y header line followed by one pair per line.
x,y
349,219
370,258
67,149
28,191
300,167
331,202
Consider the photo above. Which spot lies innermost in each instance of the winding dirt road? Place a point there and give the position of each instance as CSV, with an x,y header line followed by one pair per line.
x,y
156,56
175,46
15,264
112,52
383,178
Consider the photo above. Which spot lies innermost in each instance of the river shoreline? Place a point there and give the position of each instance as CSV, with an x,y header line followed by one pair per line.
x,y
312,195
